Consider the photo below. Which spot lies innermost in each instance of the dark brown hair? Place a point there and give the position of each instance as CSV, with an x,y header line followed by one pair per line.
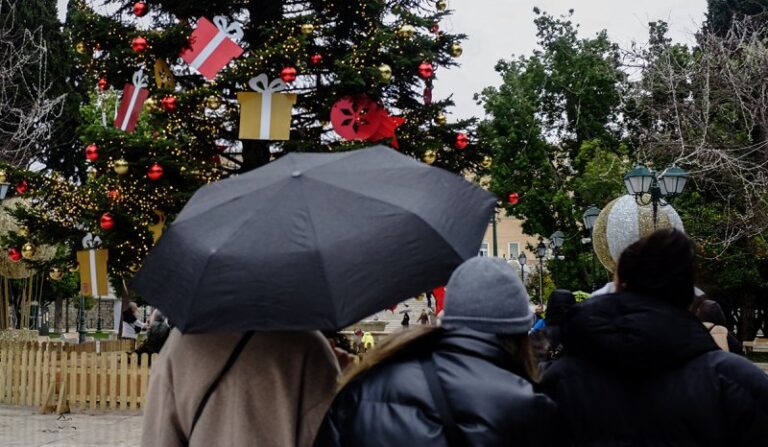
x,y
659,265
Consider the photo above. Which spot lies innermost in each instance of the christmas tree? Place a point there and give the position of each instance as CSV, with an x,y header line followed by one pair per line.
x,y
180,94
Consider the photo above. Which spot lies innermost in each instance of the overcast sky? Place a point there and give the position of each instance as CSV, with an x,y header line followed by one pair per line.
x,y
498,29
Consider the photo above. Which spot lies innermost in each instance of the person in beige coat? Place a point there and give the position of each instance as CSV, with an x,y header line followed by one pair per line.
x,y
275,393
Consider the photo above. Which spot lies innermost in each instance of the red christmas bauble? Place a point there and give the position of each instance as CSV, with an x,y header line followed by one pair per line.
x,y
113,194
169,103
139,44
426,70
103,84
92,152
14,254
21,187
155,172
356,117
140,9
316,59
513,198
288,74
107,221
462,141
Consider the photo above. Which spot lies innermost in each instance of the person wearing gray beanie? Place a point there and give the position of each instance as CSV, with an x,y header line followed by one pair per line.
x,y
468,382
486,295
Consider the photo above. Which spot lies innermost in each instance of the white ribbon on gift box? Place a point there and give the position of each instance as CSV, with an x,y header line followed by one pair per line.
x,y
232,30
139,82
262,85
92,244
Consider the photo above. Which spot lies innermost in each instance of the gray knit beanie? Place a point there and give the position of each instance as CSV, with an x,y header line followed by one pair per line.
x,y
486,295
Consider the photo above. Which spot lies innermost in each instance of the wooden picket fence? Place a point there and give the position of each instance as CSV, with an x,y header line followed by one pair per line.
x,y
49,376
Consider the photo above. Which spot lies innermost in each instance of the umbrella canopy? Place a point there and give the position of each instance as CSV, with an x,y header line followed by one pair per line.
x,y
313,241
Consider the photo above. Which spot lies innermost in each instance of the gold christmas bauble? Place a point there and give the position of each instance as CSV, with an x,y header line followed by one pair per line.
x,y
3,177
456,50
441,5
152,105
92,173
28,250
406,31
441,119
23,232
213,102
55,274
73,267
386,72
134,268
487,162
121,167
429,156
307,29
80,47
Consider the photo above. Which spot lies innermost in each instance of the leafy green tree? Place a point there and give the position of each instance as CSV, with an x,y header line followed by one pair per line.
x,y
721,13
552,129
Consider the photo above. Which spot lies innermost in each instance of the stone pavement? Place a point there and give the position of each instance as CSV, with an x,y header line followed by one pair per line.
x,y
24,426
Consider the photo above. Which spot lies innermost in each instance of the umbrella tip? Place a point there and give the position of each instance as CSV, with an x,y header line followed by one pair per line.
x,y
296,174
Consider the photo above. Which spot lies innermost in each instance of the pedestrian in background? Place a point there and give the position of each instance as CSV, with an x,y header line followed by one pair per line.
x,y
711,315
467,383
559,303
640,369
131,324
423,318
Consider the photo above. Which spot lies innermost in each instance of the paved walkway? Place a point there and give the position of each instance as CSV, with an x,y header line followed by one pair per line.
x,y
22,426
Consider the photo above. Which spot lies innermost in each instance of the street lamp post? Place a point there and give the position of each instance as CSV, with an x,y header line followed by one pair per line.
x,y
556,241
522,259
652,189
589,218
541,253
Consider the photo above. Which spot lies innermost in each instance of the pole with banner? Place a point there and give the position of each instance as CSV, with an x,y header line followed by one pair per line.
x,y
93,271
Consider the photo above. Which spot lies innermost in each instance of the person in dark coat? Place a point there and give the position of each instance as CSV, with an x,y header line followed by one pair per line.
x,y
483,370
558,305
711,314
640,370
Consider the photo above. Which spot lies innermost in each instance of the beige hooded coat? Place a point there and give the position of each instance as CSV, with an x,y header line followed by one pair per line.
x,y
275,394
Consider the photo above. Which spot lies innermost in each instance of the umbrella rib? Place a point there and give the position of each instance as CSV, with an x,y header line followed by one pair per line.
x,y
319,252
447,241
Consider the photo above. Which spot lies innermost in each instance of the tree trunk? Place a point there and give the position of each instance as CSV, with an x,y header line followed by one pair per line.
x,y
747,323
58,310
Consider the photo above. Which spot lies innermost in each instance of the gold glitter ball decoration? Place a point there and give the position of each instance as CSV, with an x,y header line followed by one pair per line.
x,y
429,156
28,250
121,167
80,47
23,232
307,29
441,119
441,5
487,162
623,222
73,267
3,177
456,50
406,31
213,102
386,72
55,274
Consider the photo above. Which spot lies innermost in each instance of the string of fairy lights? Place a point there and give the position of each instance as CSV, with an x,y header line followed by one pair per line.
x,y
380,56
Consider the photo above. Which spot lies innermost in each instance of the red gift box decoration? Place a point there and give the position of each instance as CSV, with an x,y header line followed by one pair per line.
x,y
212,45
134,96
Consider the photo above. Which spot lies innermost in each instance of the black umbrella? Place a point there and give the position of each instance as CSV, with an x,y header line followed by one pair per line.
x,y
313,241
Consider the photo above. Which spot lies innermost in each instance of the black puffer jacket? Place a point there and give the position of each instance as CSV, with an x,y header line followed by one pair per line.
x,y
639,372
391,406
